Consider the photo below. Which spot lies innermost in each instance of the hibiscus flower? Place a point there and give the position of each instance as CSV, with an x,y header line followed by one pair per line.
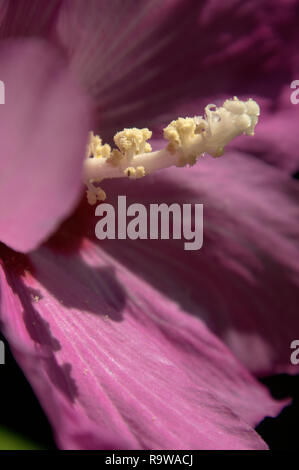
x,y
119,338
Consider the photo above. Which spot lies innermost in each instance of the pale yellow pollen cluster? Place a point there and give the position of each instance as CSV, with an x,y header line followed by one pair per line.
x,y
130,142
94,193
188,139
96,149
180,133
134,173
214,131
133,141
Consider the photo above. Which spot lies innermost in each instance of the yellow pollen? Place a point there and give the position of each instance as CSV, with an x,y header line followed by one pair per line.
x,y
134,173
188,139
96,149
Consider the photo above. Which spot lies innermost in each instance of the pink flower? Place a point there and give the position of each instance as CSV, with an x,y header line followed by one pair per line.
x,y
118,338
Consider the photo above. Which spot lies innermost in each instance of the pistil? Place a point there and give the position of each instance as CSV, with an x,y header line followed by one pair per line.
x,y
188,139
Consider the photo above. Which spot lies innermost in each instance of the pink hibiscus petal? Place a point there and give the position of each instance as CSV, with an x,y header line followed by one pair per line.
x,y
244,281
27,17
108,355
3,10
43,133
140,59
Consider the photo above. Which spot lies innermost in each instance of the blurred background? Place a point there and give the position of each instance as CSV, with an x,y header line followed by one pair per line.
x,y
23,424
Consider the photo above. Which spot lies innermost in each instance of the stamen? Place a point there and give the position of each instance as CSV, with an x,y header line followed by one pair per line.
x,y
188,139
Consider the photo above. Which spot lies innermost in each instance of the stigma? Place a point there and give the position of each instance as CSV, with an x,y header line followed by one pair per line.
x,y
187,139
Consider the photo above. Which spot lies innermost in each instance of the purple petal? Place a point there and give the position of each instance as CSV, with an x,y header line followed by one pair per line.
x,y
3,10
43,132
244,281
109,355
144,59
28,17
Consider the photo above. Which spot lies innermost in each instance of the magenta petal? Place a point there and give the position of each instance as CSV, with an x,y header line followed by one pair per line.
x,y
244,281
43,131
27,17
3,10
146,58
108,355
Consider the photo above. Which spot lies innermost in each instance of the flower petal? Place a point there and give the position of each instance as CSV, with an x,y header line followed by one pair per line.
x,y
3,10
244,281
140,59
107,353
27,17
43,132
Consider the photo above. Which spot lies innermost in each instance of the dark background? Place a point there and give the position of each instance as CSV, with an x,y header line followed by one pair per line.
x,y
20,411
